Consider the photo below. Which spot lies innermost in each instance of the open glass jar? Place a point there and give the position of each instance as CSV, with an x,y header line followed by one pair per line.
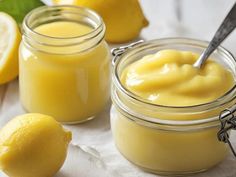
x,y
151,136
65,77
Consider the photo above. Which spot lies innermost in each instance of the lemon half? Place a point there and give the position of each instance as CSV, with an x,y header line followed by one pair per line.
x,y
10,38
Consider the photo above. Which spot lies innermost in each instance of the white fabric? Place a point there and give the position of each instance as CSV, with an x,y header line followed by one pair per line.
x,y
93,153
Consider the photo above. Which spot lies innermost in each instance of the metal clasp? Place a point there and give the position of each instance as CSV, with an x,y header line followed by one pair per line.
x,y
116,52
228,122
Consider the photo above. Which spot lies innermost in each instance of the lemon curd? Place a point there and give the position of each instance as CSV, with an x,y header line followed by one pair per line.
x,y
165,112
63,29
169,78
64,65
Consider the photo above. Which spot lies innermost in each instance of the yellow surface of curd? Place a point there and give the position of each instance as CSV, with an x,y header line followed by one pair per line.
x,y
169,78
63,29
165,117
64,69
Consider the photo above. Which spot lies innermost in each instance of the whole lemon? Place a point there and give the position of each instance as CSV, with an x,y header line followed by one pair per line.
x,y
124,19
33,145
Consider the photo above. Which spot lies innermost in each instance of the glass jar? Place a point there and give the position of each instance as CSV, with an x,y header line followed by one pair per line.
x,y
65,77
151,136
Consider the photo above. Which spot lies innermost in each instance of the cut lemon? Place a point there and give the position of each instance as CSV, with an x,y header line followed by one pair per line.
x,y
10,38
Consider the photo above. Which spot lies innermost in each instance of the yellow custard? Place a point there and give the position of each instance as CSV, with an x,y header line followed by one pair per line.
x,y
169,78
63,29
65,71
161,127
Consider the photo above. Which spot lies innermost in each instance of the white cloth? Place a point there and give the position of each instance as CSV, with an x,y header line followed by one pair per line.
x,y
93,153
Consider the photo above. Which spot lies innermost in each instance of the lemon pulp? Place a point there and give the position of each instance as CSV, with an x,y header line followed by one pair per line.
x,y
9,43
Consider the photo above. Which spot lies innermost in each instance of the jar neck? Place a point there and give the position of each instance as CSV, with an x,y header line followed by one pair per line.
x,y
62,45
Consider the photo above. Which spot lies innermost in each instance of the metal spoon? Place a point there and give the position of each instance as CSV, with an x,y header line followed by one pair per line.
x,y
224,30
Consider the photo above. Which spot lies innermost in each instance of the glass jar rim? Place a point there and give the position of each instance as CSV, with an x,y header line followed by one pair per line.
x,y
215,103
58,7
47,14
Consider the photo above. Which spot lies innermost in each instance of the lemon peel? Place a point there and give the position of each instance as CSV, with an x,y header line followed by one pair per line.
x,y
124,19
33,145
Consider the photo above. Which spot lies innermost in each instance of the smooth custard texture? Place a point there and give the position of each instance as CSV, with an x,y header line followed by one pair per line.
x,y
169,78
168,152
63,29
63,82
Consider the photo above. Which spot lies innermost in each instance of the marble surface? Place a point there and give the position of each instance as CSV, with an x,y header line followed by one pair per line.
x,y
92,152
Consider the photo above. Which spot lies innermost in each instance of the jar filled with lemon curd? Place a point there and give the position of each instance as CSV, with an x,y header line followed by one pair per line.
x,y
165,113
64,63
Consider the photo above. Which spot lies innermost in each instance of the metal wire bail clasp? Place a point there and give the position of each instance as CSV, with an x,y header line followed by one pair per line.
x,y
116,52
228,122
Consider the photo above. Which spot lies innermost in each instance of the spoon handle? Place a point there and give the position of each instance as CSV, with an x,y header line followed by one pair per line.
x,y
224,30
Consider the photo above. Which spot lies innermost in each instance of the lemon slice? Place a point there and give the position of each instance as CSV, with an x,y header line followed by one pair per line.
x,y
9,43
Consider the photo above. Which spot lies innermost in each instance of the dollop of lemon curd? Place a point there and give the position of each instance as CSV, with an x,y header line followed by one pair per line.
x,y
169,78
